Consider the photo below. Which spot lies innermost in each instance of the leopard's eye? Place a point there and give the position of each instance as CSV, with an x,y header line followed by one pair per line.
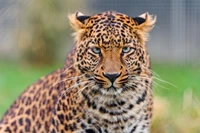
x,y
126,49
96,50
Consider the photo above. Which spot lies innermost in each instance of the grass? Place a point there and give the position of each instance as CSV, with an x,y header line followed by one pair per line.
x,y
177,109
182,78
177,106
15,78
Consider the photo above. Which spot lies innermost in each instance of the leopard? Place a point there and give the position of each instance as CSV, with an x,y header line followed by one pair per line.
x,y
104,86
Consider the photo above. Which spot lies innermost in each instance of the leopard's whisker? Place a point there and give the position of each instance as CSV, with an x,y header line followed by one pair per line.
x,y
154,82
145,77
67,68
82,89
87,91
157,77
66,79
67,90
80,82
154,73
164,81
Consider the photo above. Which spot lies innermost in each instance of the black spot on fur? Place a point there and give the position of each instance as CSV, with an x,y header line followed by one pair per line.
x,y
142,98
90,131
103,110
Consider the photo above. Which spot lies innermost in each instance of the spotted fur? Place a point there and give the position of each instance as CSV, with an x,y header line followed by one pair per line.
x,y
104,87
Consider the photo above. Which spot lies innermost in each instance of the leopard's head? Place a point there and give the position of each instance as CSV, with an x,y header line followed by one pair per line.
x,y
111,51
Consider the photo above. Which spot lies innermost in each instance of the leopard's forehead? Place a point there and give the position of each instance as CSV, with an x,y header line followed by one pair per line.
x,y
111,29
110,18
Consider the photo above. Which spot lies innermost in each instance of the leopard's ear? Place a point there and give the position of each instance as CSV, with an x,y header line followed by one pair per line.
x,y
144,24
77,21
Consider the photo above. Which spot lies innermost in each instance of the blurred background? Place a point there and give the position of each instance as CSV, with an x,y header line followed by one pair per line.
x,y
35,37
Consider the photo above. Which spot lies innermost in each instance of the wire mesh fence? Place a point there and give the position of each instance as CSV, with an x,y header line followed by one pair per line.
x,y
175,37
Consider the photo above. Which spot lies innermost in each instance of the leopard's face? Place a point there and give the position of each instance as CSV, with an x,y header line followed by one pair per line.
x,y
111,51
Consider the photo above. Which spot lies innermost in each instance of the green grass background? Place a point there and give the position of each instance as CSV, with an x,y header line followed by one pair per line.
x,y
14,78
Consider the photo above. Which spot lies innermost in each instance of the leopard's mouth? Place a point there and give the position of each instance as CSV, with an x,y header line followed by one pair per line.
x,y
111,91
108,88
112,88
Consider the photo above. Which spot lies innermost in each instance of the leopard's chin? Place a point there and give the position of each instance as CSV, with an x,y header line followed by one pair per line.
x,y
111,91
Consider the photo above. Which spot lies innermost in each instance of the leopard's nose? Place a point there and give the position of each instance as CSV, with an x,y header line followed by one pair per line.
x,y
111,76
